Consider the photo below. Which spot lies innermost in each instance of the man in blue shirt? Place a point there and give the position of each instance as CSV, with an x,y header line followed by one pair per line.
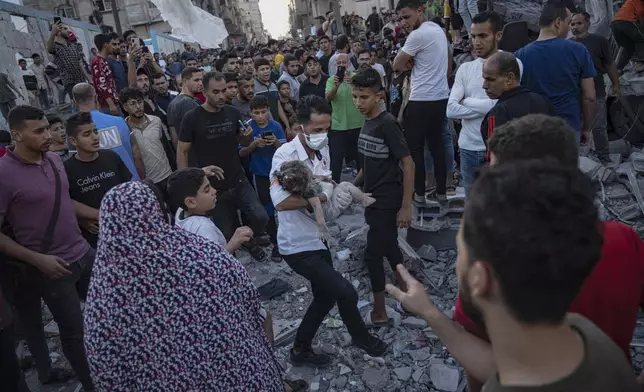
x,y
118,61
561,70
113,131
268,136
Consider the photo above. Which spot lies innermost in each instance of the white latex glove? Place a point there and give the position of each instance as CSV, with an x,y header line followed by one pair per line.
x,y
343,199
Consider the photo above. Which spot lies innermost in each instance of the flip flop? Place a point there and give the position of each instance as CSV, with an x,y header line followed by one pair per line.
x,y
370,324
297,385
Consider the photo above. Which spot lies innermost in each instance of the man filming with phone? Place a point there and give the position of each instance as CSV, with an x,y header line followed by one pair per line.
x,y
68,57
346,119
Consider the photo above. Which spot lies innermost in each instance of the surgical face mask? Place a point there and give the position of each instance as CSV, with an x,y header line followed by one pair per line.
x,y
316,141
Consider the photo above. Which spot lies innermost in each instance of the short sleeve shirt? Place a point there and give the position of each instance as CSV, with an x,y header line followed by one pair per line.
x,y
429,47
260,158
201,226
382,145
599,50
178,108
345,115
155,160
555,68
27,194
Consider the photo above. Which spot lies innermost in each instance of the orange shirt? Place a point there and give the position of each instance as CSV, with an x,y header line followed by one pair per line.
x,y
631,11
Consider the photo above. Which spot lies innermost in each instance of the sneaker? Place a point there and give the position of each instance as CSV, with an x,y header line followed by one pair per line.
x,y
420,199
442,199
372,346
309,357
256,252
276,257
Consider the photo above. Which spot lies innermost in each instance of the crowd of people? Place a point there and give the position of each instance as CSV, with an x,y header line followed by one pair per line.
x,y
135,205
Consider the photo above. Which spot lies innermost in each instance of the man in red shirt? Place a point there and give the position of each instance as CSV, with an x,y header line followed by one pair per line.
x,y
103,79
610,296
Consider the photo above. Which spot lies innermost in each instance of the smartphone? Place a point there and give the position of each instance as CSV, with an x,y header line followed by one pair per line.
x,y
241,124
57,20
145,49
267,134
340,73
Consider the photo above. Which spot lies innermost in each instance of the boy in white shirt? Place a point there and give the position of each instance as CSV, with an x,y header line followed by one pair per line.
x,y
190,190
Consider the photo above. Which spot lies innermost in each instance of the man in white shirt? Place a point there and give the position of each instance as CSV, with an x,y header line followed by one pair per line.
x,y
301,246
468,101
426,54
38,68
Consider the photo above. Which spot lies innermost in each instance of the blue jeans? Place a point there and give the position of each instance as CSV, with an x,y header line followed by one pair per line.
x,y
470,161
449,152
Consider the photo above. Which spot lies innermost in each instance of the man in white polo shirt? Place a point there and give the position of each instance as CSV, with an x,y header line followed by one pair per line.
x,y
300,244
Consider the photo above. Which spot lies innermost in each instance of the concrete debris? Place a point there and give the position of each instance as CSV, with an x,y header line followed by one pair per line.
x,y
595,170
344,369
343,255
51,329
302,290
414,323
374,360
376,379
427,252
444,378
420,355
333,323
637,158
403,373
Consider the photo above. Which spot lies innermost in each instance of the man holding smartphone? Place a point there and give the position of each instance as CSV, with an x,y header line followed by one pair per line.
x,y
68,57
346,119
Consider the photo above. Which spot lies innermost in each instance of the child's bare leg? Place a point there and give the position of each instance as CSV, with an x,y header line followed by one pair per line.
x,y
317,210
357,195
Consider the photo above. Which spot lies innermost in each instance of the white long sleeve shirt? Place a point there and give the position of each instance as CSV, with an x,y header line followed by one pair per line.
x,y
469,103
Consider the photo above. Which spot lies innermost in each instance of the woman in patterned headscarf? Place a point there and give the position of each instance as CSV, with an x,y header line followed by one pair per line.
x,y
168,310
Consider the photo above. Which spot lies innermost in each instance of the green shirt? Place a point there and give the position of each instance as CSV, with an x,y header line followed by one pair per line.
x,y
345,115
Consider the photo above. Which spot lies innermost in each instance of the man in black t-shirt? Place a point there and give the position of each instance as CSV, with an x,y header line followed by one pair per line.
x,y
599,50
91,171
212,133
388,174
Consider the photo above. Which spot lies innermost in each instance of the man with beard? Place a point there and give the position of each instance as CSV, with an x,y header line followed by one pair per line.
x,y
211,134
118,62
149,132
162,96
529,238
245,93
67,58
248,65
191,85
613,310
315,84
425,53
468,101
291,66
35,204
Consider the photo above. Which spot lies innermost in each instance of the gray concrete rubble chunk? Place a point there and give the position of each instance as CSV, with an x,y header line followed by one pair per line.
x,y
638,161
588,166
420,355
403,373
418,374
428,252
414,323
376,379
444,378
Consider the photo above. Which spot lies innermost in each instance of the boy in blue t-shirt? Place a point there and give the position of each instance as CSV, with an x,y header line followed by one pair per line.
x,y
268,136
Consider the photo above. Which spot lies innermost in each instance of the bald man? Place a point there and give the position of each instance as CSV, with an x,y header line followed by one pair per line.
x,y
346,120
501,81
113,131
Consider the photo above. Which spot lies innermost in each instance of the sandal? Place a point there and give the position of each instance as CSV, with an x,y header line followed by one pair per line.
x,y
369,323
296,385
451,190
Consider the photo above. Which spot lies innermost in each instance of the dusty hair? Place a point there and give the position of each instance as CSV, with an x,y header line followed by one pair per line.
x,y
297,179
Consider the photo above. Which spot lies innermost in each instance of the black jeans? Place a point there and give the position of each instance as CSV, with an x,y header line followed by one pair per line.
x,y
263,185
343,145
61,296
241,197
11,378
328,287
630,36
382,240
424,122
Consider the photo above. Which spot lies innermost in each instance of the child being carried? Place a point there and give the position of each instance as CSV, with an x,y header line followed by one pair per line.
x,y
296,178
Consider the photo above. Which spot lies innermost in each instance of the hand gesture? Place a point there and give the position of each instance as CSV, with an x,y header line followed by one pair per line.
x,y
246,130
148,58
415,299
134,52
242,235
336,80
52,267
259,143
270,139
403,218
55,28
214,171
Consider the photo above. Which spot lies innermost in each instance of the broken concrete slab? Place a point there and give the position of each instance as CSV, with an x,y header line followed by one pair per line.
x,y
427,252
376,379
414,323
637,159
403,373
444,377
588,166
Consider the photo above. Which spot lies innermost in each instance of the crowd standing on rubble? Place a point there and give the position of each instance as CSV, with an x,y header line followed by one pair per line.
x,y
126,217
